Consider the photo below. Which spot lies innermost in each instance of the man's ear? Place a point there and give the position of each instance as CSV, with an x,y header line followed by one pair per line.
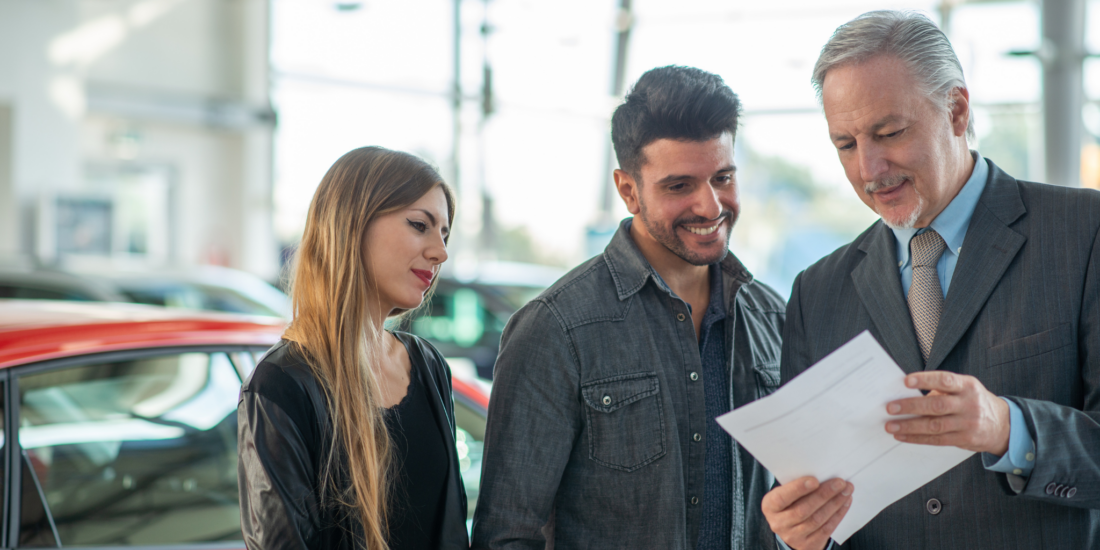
x,y
960,110
628,190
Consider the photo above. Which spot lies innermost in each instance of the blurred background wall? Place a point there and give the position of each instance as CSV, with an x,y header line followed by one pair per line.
x,y
144,132
136,132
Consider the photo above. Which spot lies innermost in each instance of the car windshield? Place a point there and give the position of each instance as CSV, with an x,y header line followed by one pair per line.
x,y
195,296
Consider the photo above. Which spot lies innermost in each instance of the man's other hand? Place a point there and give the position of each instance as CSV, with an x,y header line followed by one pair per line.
x,y
957,411
804,513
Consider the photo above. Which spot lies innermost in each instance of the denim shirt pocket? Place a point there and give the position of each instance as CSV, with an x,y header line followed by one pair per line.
x,y
625,420
767,378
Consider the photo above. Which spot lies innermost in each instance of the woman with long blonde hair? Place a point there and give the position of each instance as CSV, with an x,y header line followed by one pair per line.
x,y
346,430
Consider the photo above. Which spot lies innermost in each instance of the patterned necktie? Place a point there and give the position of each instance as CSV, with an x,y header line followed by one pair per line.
x,y
925,294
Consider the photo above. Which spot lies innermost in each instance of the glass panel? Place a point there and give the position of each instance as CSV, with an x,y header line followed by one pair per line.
x,y
136,452
3,450
245,363
469,442
36,525
20,292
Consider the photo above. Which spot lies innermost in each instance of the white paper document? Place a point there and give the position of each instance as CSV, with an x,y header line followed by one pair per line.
x,y
829,422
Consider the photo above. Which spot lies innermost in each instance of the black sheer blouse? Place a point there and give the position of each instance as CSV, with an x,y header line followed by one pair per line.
x,y
420,473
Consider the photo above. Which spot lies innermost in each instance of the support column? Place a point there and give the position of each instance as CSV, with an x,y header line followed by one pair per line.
x,y
1062,53
9,206
259,250
599,232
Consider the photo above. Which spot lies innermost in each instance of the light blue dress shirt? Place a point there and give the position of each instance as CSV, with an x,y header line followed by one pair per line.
x,y
952,224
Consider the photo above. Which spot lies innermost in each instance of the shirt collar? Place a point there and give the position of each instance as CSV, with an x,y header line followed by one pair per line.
x,y
952,223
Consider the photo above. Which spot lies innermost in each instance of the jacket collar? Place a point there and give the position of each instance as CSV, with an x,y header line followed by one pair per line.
x,y
989,247
630,270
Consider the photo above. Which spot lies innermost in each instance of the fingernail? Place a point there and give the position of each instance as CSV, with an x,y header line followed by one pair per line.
x,y
808,484
910,381
847,503
847,492
838,485
892,427
893,408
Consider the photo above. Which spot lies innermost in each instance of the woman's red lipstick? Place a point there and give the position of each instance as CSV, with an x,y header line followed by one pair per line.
x,y
424,275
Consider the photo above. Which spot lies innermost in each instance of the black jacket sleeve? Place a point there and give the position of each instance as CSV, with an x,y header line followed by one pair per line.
x,y
277,465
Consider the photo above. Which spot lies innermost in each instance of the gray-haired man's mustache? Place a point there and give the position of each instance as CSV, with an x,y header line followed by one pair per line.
x,y
884,183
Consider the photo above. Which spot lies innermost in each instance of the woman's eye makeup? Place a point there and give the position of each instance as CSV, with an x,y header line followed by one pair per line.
x,y
419,226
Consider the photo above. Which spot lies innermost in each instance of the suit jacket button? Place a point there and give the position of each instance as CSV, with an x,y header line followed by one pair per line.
x,y
1051,487
933,506
1072,491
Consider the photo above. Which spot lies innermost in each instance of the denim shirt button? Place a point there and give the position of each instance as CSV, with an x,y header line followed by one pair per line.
x,y
694,376
606,400
697,437
695,500
680,317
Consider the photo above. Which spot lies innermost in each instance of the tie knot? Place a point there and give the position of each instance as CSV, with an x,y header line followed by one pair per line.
x,y
926,248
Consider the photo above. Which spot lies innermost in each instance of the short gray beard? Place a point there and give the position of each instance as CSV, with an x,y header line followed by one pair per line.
x,y
908,222
890,181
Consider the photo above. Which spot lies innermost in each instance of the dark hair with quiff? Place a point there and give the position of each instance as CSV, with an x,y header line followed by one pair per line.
x,y
674,102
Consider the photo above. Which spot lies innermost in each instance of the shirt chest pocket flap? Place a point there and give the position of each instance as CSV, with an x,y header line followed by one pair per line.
x,y
625,421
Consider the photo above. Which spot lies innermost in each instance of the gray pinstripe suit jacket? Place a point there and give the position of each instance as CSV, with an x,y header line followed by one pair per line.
x,y
1023,316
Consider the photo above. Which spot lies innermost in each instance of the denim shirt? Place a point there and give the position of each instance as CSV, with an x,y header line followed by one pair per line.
x,y
596,403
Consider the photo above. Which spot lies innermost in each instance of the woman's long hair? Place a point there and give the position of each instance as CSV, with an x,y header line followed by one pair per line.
x,y
332,291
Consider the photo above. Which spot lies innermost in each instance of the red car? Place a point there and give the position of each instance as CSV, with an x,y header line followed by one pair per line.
x,y
127,427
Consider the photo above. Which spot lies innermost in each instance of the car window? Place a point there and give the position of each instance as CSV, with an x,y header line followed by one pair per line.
x,y
38,293
37,527
133,452
245,362
469,438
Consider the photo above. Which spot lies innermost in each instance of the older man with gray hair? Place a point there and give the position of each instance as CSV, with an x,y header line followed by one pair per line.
x,y
984,289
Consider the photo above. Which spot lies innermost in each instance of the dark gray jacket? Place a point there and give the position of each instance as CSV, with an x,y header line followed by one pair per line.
x,y
1023,316
596,399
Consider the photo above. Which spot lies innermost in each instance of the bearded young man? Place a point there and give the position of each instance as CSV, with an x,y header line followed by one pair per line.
x,y
601,430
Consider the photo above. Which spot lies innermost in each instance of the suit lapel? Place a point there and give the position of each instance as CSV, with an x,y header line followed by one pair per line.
x,y
879,287
987,251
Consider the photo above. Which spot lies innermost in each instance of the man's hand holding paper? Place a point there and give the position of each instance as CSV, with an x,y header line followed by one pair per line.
x,y
804,513
958,411
829,423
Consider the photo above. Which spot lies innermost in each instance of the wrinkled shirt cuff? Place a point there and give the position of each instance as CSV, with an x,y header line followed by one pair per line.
x,y
1020,458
